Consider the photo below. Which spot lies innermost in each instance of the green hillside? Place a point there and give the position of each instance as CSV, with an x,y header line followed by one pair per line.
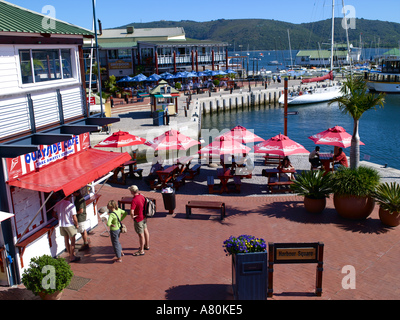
x,y
262,34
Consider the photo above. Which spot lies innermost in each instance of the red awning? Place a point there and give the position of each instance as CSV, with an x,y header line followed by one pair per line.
x,y
73,173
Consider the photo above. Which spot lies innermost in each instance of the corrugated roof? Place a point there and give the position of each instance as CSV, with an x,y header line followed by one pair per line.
x,y
320,54
17,19
142,32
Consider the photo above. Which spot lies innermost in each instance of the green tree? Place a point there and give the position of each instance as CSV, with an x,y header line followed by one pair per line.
x,y
355,100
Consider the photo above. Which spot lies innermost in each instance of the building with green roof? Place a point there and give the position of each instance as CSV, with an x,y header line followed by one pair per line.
x,y
44,133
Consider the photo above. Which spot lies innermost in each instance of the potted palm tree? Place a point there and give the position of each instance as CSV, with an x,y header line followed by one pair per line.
x,y
353,190
315,187
355,100
388,197
47,277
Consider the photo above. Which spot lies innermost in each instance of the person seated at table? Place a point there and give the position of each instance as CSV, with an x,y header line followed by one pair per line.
x,y
285,165
228,163
340,159
153,172
245,166
314,158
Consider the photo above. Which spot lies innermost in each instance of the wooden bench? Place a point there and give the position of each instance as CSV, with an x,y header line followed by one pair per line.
x,y
279,184
128,200
211,185
205,205
178,181
272,159
193,171
137,173
238,183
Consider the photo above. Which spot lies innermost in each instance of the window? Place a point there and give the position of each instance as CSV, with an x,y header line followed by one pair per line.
x,y
120,54
45,65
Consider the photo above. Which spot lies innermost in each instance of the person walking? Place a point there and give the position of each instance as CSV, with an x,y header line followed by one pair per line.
x,y
139,220
115,216
65,212
80,206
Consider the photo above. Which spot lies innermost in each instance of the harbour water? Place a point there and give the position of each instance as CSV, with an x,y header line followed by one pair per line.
x,y
378,128
263,58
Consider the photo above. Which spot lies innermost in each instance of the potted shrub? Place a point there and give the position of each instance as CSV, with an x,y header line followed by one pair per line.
x,y
249,267
353,189
47,277
315,187
388,197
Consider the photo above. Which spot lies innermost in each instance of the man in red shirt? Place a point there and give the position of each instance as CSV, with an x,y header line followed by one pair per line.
x,y
340,159
139,220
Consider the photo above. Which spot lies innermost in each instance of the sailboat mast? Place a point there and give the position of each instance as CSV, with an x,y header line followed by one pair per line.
x,y
333,33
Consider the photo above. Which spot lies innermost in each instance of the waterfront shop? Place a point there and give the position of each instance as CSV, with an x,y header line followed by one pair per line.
x,y
45,149
130,51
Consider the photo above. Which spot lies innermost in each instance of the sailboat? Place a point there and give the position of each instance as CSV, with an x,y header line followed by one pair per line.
x,y
317,95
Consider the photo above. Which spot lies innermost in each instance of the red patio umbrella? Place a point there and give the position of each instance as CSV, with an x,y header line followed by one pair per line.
x,y
280,145
241,134
336,136
120,139
172,140
224,146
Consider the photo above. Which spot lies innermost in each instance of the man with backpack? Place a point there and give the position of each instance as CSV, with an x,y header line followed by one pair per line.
x,y
139,220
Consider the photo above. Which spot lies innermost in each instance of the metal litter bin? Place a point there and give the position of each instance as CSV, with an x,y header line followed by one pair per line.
x,y
168,195
158,118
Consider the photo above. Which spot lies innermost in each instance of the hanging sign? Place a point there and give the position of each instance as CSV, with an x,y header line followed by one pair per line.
x,y
24,164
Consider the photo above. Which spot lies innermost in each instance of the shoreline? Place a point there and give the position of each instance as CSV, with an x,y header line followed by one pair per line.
x,y
135,118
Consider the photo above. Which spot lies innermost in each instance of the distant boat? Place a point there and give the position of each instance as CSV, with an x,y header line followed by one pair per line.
x,y
319,94
274,63
388,80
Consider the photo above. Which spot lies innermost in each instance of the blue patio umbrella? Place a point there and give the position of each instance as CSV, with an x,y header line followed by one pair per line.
x,y
168,77
210,73
181,74
201,74
153,77
220,72
139,78
165,74
230,71
125,79
192,75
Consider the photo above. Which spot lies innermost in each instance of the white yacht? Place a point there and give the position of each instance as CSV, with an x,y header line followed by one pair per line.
x,y
388,80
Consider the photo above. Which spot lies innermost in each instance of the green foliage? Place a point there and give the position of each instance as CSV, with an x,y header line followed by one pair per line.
x,y
388,196
111,84
360,182
34,275
178,85
313,184
356,99
216,82
263,34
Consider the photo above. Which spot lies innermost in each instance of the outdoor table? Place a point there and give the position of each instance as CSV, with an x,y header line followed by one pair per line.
x,y
128,200
167,174
326,159
271,172
121,168
184,162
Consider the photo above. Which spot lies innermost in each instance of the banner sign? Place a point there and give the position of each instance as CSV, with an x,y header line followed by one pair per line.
x,y
27,163
285,253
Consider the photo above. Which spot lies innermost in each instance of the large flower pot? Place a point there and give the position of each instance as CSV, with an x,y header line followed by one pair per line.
x,y
53,296
352,207
314,205
250,276
389,219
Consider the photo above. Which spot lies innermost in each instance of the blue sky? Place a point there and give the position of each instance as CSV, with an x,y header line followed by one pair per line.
x,y
120,12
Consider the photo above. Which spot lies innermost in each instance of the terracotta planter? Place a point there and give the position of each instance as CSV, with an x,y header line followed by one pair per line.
x,y
54,296
352,207
389,219
314,205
